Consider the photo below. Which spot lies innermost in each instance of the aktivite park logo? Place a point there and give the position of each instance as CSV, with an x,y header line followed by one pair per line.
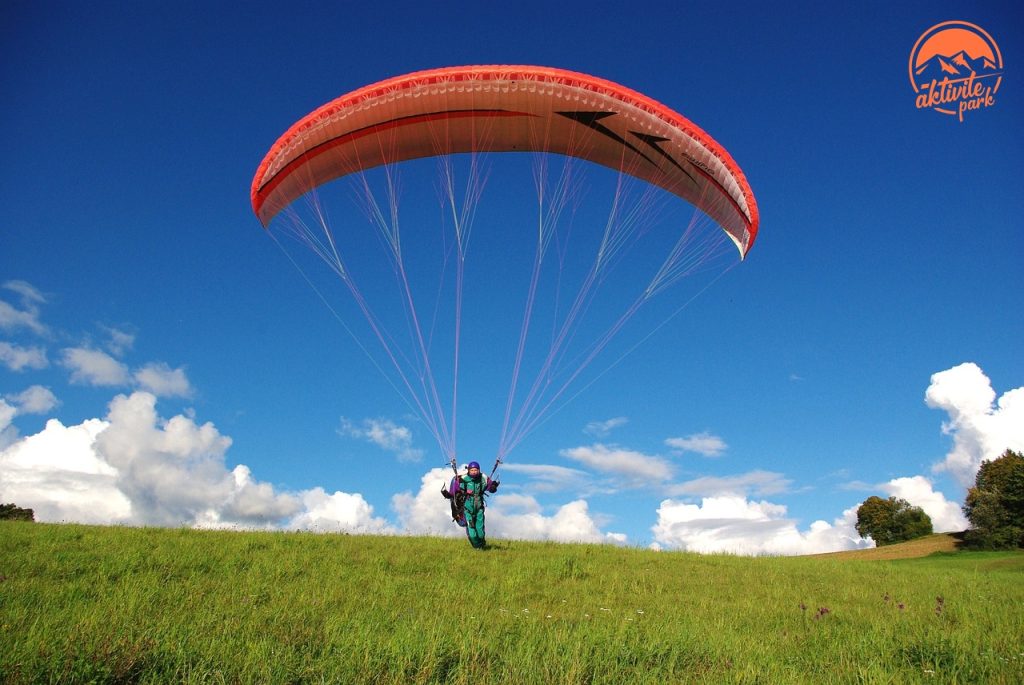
x,y
955,67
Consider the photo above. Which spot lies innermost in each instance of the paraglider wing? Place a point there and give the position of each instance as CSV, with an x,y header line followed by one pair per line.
x,y
505,109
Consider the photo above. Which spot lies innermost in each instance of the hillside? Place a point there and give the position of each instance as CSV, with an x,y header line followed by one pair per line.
x,y
921,547
148,605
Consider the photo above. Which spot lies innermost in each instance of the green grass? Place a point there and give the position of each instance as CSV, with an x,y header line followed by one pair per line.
x,y
94,604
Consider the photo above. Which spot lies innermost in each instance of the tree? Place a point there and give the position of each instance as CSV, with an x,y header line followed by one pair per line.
x,y
995,505
887,521
12,512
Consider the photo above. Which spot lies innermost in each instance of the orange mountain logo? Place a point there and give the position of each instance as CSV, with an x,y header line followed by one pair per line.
x,y
955,68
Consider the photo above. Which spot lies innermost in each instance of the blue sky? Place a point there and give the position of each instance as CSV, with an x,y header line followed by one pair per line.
x,y
198,380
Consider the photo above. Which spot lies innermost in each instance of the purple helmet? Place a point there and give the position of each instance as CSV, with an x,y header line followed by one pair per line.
x,y
473,465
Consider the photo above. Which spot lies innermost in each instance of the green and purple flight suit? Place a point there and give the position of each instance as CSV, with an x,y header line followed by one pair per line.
x,y
470,490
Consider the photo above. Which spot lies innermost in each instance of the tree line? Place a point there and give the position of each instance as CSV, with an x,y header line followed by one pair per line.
x,y
12,512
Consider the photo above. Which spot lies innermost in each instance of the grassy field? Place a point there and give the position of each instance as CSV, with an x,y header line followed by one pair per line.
x,y
94,604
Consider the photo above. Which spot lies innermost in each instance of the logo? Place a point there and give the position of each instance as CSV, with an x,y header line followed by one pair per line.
x,y
955,68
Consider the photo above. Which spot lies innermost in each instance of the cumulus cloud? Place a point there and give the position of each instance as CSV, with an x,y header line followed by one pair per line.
x,y
571,522
337,512
57,474
94,367
946,516
982,428
601,429
425,513
384,433
757,482
736,525
249,504
34,400
137,468
170,470
509,515
619,461
17,358
702,443
163,381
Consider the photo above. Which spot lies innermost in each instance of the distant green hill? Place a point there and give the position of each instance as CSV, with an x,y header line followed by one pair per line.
x,y
143,605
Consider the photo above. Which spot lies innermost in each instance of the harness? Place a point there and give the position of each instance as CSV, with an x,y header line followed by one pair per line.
x,y
458,503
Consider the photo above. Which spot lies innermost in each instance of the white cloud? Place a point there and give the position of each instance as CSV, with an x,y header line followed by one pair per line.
x,y
735,525
702,443
756,482
981,427
29,293
93,367
523,520
337,512
622,462
386,434
170,470
13,319
550,478
119,341
97,368
163,381
946,516
508,515
517,503
601,429
136,468
426,512
34,400
249,504
17,358
58,475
